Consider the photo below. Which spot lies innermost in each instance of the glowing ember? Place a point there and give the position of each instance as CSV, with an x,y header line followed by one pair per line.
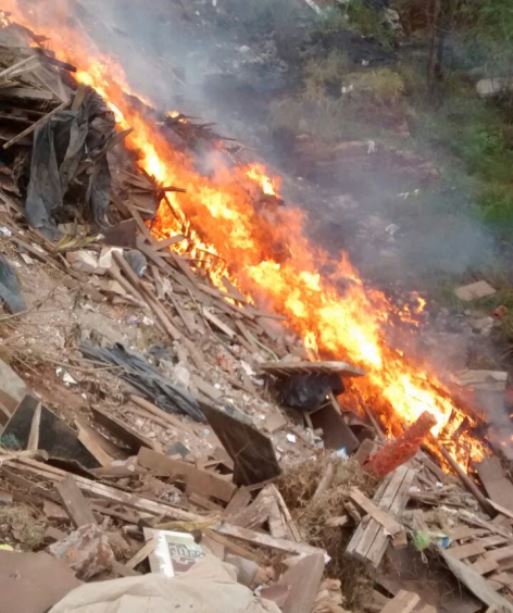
x,y
334,312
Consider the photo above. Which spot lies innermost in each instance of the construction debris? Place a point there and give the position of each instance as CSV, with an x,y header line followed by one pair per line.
x,y
86,551
153,456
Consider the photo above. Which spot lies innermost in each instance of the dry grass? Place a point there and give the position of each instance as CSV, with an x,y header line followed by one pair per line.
x,y
23,526
298,486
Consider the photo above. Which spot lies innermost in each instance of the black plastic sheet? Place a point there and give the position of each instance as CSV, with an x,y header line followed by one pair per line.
x,y
144,377
67,144
10,290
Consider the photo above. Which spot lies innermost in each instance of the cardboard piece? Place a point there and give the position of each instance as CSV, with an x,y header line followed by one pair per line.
x,y
33,582
174,552
303,581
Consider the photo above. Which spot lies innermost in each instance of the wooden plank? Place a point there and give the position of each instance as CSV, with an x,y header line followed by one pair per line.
x,y
141,555
121,430
293,530
464,532
100,490
265,540
240,500
500,554
256,514
232,546
506,579
205,503
35,125
302,581
169,242
76,505
404,602
460,552
498,487
95,443
500,509
474,582
220,325
33,440
392,526
370,540
494,540
201,481
484,565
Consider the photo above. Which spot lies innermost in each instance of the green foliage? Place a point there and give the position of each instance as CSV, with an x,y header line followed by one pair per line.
x,y
496,202
357,16
321,73
468,136
488,29
368,21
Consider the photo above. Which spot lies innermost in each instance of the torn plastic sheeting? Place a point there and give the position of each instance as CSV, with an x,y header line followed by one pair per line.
x,y
144,377
210,585
308,391
10,290
60,146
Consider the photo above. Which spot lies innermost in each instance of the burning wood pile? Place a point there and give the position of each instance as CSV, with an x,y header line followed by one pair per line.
x,y
205,436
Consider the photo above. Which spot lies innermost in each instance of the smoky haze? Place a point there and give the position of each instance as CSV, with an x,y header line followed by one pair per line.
x,y
203,59
226,62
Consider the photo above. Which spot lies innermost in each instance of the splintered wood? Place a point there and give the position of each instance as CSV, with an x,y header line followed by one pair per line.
x,y
370,540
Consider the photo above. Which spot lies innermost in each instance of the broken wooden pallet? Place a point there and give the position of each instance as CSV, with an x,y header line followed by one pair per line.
x,y
370,540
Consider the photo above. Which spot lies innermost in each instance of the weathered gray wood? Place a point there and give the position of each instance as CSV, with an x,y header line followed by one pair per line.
x,y
76,505
475,583
370,540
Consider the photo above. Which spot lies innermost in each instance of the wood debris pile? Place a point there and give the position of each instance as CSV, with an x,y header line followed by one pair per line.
x,y
175,447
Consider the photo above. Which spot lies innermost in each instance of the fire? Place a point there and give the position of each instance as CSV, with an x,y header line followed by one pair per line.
x,y
258,174
326,302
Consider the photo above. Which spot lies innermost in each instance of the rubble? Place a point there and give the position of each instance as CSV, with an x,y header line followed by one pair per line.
x,y
159,444
86,551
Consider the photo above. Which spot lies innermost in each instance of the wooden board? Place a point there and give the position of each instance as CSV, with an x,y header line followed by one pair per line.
x,y
392,526
461,552
122,431
474,582
265,540
201,481
302,581
99,490
498,487
76,505
101,448
370,540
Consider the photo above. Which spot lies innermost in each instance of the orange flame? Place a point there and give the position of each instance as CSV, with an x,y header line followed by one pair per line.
x,y
258,174
326,303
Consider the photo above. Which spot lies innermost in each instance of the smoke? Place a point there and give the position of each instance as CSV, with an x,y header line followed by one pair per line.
x,y
230,62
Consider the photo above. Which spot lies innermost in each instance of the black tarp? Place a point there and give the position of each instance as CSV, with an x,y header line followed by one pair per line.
x,y
135,369
10,291
70,143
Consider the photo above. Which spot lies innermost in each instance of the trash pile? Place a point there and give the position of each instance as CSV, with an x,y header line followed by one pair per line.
x,y
168,443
